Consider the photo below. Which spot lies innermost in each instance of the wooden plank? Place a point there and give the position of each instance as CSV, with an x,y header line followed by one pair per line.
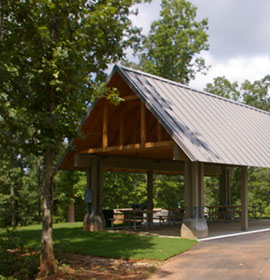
x,y
121,126
143,125
176,152
127,163
137,146
105,127
158,131
130,98
150,204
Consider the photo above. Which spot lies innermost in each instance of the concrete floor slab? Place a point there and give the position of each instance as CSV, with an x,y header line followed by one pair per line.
x,y
244,257
216,228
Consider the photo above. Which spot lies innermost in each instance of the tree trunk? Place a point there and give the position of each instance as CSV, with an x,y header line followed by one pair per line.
x,y
71,211
39,190
48,263
12,205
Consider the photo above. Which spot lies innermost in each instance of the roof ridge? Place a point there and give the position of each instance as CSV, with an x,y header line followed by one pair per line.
x,y
193,89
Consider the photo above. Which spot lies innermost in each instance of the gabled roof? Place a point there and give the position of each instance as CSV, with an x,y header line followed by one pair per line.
x,y
208,128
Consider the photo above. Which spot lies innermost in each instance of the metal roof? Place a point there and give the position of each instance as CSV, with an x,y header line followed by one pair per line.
x,y
207,127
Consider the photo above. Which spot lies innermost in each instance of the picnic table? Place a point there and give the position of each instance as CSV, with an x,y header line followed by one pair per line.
x,y
230,212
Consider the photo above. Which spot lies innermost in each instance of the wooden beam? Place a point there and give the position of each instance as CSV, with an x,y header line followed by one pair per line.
x,y
201,190
158,131
121,126
244,198
143,125
105,127
176,152
150,204
130,98
125,163
137,146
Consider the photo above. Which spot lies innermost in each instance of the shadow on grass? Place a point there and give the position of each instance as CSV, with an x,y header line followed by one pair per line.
x,y
106,244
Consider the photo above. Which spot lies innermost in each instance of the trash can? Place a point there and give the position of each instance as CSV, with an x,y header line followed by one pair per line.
x,y
107,214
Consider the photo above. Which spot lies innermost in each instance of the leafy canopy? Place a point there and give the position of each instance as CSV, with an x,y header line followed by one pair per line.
x,y
53,55
172,46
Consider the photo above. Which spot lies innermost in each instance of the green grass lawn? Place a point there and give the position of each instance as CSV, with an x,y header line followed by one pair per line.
x,y
70,237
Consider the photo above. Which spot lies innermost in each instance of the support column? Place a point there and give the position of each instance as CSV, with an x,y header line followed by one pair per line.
x,y
224,187
201,190
244,198
94,221
150,204
194,224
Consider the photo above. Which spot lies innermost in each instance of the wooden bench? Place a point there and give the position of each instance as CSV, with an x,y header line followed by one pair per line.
x,y
134,221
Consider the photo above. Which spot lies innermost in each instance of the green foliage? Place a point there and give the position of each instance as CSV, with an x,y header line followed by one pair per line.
x,y
211,190
16,261
171,48
53,59
20,193
223,87
123,189
257,94
60,51
259,186
168,191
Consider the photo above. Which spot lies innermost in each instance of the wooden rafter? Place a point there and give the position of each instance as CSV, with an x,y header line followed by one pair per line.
x,y
143,125
158,131
130,98
121,126
105,127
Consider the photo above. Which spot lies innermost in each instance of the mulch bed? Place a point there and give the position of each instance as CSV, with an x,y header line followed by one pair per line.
x,y
80,267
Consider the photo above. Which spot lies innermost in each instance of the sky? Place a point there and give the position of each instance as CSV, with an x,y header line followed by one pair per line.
x,y
239,37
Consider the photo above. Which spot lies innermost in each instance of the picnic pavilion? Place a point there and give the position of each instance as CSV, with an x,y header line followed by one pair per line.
x,y
163,127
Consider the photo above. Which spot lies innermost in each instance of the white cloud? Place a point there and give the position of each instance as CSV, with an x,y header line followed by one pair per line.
x,y
239,37
147,14
234,69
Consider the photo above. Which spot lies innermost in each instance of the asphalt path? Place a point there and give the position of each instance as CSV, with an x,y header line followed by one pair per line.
x,y
244,257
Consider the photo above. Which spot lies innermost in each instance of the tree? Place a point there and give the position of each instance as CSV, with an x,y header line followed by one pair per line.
x,y
257,94
223,87
53,56
172,46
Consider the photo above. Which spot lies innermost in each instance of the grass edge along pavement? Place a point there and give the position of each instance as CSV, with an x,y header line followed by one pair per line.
x,y
70,238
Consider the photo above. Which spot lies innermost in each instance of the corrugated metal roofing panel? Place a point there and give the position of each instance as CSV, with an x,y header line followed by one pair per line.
x,y
208,128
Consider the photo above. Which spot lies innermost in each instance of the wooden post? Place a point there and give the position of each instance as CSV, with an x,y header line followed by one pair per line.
x,y
201,189
95,222
99,187
227,186
143,127
158,131
195,189
222,188
94,183
176,152
121,126
150,204
244,198
105,127
187,191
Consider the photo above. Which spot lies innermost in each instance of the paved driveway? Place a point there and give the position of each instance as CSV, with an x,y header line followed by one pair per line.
x,y
245,257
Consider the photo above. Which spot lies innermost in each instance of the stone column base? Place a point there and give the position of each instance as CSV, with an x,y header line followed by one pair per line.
x,y
194,228
93,223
